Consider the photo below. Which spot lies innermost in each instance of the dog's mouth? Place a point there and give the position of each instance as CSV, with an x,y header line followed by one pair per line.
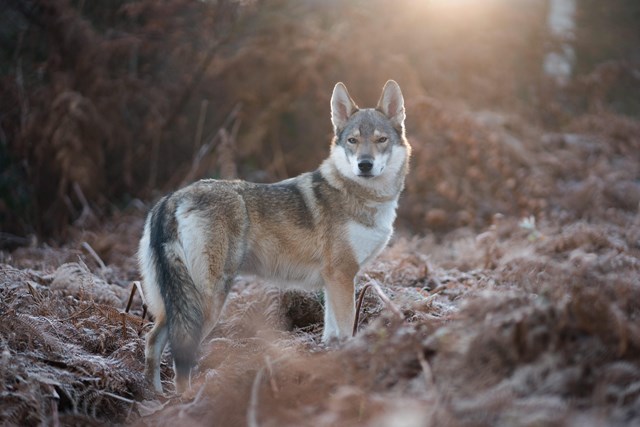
x,y
369,175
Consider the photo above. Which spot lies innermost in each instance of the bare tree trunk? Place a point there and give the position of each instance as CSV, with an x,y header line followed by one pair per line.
x,y
558,64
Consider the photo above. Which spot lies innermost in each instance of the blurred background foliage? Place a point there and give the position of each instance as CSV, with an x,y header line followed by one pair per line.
x,y
103,103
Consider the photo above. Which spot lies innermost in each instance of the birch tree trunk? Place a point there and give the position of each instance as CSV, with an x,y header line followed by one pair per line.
x,y
558,64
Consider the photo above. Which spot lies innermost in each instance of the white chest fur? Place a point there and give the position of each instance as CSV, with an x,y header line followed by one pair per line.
x,y
367,242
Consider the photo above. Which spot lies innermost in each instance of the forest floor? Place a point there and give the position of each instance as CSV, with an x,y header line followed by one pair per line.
x,y
513,280
519,323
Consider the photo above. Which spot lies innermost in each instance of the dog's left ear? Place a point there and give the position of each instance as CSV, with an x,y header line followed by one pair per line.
x,y
392,104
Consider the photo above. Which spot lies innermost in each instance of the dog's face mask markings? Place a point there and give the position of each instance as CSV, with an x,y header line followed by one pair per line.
x,y
367,137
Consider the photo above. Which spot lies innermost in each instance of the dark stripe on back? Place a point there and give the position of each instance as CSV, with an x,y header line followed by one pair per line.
x,y
302,215
318,180
316,177
284,199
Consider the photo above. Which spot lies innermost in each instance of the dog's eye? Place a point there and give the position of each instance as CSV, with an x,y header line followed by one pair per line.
x,y
352,140
382,139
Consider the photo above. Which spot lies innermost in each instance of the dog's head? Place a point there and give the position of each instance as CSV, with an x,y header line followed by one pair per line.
x,y
370,141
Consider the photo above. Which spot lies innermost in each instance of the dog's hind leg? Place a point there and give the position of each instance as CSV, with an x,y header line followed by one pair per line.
x,y
216,303
156,341
185,343
212,259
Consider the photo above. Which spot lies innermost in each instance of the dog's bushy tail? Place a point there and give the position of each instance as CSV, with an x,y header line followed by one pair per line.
x,y
181,297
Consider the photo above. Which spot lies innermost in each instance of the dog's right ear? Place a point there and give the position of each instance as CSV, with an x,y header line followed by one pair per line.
x,y
342,107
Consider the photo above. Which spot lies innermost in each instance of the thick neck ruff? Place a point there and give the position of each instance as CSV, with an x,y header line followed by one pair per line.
x,y
389,189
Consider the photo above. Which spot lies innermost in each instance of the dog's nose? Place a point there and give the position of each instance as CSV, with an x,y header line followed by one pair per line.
x,y
365,165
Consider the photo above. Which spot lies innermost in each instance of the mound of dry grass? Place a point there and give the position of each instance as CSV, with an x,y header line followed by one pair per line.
x,y
521,324
69,354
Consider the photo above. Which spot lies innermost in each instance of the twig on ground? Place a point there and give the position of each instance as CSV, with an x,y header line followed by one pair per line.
x,y
272,380
74,315
34,293
252,410
426,369
94,254
144,312
358,307
115,396
136,286
133,292
385,299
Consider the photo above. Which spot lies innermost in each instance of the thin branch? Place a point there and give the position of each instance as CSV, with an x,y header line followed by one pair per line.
x,y
144,313
358,307
272,380
55,417
31,13
115,396
76,314
385,299
212,141
195,80
201,118
133,292
426,369
94,254
7,239
252,411
136,286
87,212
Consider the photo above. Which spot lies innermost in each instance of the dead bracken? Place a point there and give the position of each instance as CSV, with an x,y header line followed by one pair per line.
x,y
549,333
513,281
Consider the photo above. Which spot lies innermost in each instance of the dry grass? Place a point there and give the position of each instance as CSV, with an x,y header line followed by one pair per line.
x,y
513,326
514,275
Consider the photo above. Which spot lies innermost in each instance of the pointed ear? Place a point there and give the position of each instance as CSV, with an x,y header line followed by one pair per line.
x,y
392,103
342,107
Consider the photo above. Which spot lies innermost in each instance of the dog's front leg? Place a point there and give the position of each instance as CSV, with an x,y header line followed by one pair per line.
x,y
339,296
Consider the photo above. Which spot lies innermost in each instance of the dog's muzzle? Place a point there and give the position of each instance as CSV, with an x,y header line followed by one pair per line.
x,y
365,165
